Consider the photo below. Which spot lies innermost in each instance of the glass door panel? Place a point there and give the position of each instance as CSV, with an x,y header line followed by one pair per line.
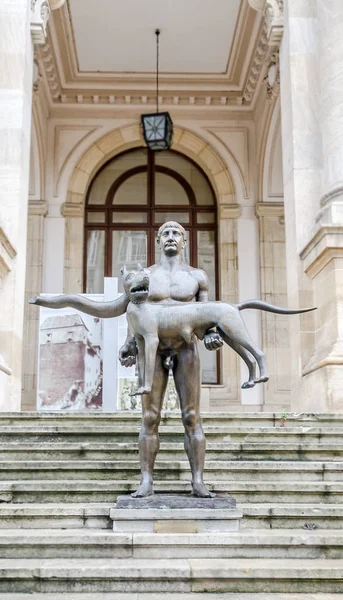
x,y
128,248
95,262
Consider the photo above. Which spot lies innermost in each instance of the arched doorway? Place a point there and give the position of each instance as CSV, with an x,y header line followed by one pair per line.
x,y
128,200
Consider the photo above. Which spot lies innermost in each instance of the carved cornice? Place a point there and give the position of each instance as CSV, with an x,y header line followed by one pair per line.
x,y
269,209
37,208
69,209
51,72
272,79
274,21
40,12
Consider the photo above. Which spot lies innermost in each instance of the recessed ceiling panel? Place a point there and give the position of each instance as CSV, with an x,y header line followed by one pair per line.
x,y
118,35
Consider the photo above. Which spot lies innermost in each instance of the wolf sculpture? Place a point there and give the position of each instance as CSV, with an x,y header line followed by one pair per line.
x,y
167,327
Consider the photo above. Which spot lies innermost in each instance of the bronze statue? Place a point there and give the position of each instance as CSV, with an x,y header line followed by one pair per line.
x,y
169,285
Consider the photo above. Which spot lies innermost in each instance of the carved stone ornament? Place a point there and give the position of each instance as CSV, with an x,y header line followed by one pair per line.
x,y
40,12
274,21
272,78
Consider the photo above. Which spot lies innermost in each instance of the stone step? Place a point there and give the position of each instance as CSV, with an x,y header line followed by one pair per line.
x,y
166,596
270,419
169,433
255,516
83,543
315,450
171,575
214,470
107,490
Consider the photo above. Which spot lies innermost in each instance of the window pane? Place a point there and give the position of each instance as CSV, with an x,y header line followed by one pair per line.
x,y
95,217
162,217
168,191
207,258
112,171
128,248
196,179
129,217
185,253
95,262
132,191
205,218
206,261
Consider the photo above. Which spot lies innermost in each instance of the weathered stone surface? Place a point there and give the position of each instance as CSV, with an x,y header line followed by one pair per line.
x,y
164,501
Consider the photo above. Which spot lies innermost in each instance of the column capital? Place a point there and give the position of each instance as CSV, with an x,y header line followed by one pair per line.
x,y
269,209
38,208
68,209
40,12
230,211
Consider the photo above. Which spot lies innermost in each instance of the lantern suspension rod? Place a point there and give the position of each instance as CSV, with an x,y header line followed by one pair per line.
x,y
157,32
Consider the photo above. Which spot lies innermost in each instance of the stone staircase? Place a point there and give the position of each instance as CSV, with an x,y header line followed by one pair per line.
x,y
60,475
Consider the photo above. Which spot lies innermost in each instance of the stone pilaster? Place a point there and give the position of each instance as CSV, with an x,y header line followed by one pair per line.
x,y
34,265
73,253
275,328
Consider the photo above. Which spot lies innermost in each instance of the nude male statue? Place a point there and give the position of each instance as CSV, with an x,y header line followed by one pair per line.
x,y
173,281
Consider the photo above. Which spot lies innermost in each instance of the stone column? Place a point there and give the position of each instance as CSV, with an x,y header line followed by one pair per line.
x,y
275,328
34,262
323,255
15,123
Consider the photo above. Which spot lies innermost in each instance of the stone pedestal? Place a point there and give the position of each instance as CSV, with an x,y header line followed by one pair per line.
x,y
175,514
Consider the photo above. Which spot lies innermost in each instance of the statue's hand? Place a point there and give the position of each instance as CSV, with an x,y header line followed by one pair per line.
x,y
127,355
213,341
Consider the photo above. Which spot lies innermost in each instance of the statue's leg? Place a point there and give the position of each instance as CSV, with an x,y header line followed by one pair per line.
x,y
246,356
187,374
148,437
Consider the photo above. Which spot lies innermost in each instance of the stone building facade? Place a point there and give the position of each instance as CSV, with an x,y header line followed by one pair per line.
x,y
267,134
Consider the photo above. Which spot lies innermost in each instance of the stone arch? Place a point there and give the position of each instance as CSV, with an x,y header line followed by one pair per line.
x,y
124,138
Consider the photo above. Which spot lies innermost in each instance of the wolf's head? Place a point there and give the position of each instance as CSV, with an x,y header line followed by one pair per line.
x,y
136,283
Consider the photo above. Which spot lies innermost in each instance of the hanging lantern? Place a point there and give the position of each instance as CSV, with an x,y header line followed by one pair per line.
x,y
157,127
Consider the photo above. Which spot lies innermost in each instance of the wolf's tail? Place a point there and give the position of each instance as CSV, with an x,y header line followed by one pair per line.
x,y
103,310
260,305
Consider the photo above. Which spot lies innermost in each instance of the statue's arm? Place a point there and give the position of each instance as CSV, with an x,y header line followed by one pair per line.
x,y
103,310
212,339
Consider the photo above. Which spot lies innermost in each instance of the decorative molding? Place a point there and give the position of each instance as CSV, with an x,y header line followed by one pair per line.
x,y
4,367
5,243
51,72
68,209
40,12
56,4
257,5
269,209
257,64
274,21
326,244
230,211
37,208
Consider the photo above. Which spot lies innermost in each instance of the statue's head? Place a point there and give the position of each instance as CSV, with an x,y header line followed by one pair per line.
x,y
136,283
171,237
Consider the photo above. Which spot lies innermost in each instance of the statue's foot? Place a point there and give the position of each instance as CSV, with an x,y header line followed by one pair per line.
x,y
262,379
200,490
140,391
144,490
248,384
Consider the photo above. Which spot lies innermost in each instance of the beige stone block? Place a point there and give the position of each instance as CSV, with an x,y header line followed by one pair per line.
x,y
176,526
80,181
111,142
75,198
192,142
226,199
213,164
177,134
222,182
90,161
132,133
